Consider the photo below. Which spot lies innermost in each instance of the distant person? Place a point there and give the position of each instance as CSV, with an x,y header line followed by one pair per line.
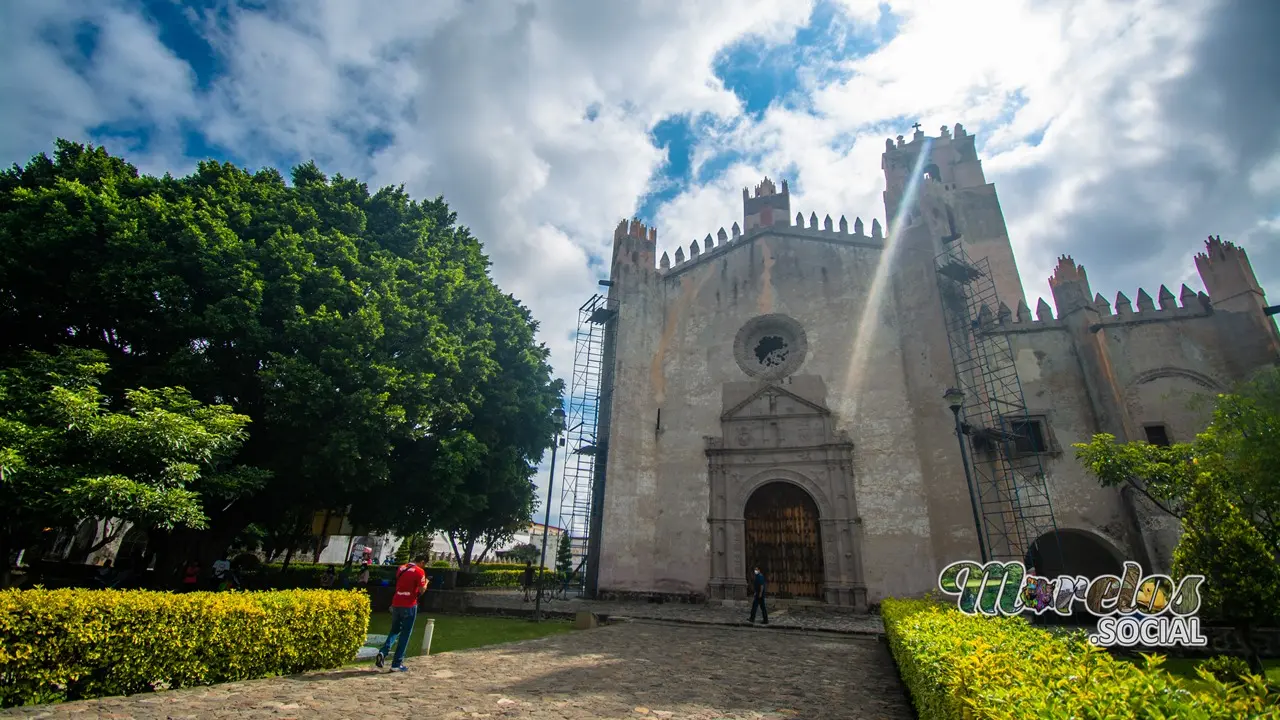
x,y
326,580
757,601
191,576
411,582
222,574
526,580
106,573
363,579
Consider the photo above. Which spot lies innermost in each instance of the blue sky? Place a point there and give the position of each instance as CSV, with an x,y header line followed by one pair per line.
x,y
543,124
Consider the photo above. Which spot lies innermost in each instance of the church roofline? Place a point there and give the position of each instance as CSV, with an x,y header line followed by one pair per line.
x,y
788,231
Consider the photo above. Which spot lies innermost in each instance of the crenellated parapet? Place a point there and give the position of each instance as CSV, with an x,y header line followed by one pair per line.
x,y
761,212
1071,293
634,246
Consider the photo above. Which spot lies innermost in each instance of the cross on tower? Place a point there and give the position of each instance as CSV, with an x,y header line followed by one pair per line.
x,y
917,127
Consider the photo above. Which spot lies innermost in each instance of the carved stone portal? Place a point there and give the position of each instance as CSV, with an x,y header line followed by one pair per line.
x,y
781,431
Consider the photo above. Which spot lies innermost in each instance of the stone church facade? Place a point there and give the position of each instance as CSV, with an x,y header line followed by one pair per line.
x,y
775,397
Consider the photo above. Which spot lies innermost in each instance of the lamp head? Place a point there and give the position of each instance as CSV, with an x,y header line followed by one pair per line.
x,y
558,418
954,398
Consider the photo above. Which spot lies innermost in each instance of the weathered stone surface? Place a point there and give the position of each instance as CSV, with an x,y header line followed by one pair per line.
x,y
893,509
630,670
782,615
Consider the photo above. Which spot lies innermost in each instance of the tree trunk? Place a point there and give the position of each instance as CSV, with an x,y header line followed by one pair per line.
x,y
109,535
346,565
453,543
288,555
466,558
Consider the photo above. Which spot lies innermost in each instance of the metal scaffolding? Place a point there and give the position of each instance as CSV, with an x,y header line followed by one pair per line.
x,y
588,401
1006,442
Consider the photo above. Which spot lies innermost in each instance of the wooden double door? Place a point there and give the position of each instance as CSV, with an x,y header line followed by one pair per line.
x,y
783,539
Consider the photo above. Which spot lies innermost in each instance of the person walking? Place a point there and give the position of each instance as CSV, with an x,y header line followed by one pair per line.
x,y
758,582
411,582
526,580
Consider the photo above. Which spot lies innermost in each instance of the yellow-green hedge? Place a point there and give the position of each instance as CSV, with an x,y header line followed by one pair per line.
x,y
498,578
71,644
962,667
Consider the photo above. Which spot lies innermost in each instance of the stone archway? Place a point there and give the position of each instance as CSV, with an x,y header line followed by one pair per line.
x,y
1070,551
779,437
783,539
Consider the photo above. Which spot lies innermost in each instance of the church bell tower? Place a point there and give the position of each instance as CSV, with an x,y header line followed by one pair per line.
x,y
956,200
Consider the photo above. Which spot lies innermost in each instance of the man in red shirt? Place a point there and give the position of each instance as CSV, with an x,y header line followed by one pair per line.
x,y
411,582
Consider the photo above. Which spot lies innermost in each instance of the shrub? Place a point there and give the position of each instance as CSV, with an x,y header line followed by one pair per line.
x,y
486,567
1226,668
441,564
72,644
246,561
959,666
497,578
307,575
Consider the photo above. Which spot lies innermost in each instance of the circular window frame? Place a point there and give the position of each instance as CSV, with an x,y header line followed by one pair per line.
x,y
761,325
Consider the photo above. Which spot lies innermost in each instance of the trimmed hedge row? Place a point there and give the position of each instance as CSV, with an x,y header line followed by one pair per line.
x,y
964,667
72,644
497,578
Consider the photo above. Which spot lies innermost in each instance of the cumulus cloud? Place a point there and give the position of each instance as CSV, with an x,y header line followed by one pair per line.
x,y
1119,132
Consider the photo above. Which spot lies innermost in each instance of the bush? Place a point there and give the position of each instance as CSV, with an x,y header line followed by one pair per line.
x,y
442,564
1226,668
497,578
960,666
307,575
246,562
487,567
72,644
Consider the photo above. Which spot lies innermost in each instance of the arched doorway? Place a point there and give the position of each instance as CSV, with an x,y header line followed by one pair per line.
x,y
1068,551
782,538
1072,553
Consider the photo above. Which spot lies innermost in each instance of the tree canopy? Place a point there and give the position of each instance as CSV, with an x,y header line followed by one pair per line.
x,y
1240,450
1224,488
360,332
65,454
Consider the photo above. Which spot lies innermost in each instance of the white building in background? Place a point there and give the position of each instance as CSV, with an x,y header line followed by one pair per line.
x,y
339,547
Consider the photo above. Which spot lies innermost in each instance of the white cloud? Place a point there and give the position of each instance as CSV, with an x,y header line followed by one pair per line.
x,y
1121,132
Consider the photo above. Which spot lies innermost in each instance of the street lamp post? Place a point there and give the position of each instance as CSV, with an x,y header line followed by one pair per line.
x,y
558,414
955,401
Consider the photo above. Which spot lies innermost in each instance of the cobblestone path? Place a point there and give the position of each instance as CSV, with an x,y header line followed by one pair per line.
x,y
709,614
639,670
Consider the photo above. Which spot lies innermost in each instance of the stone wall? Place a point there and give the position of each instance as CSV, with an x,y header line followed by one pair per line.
x,y
676,333
875,339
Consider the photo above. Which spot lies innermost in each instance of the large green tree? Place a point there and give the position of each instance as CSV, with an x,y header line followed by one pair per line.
x,y
1242,576
66,454
358,330
1240,450
1225,489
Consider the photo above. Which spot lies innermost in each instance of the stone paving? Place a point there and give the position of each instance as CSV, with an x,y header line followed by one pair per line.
x,y
710,614
642,670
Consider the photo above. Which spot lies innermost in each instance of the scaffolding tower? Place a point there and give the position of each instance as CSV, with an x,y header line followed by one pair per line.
x,y
586,391
1005,442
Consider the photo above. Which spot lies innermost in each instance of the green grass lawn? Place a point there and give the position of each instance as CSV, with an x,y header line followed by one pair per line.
x,y
460,632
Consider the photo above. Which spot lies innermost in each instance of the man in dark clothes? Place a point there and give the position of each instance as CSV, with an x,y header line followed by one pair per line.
x,y
758,599
526,580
